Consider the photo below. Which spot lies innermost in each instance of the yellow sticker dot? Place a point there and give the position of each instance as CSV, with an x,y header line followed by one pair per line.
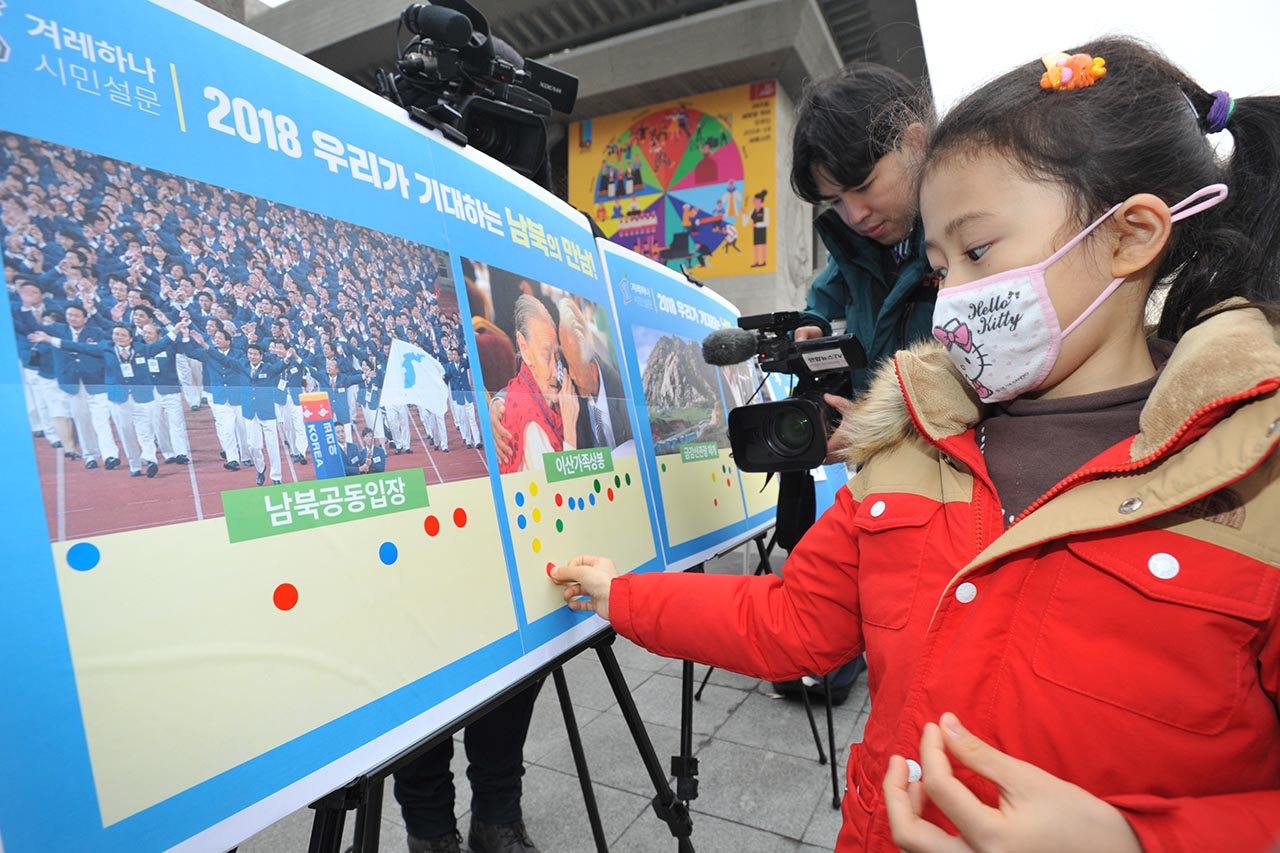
x,y
537,514
713,476
537,545
533,489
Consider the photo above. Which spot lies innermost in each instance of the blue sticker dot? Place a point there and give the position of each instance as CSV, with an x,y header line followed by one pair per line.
x,y
592,498
83,556
388,553
578,505
519,498
521,521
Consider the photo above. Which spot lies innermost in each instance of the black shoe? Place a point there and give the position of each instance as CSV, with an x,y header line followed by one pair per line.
x,y
302,459
231,466
38,434
71,454
246,463
91,464
111,463
152,470
791,690
196,407
135,473
848,674
222,453
169,460
479,445
502,838
408,450
448,843
261,478
182,459
57,445
275,482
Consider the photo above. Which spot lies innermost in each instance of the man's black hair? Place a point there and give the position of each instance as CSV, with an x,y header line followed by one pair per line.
x,y
848,121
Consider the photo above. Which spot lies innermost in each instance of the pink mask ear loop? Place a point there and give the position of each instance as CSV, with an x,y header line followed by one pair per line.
x,y
1199,201
1207,198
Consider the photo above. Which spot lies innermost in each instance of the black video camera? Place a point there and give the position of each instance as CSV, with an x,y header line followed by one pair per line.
x,y
457,78
791,434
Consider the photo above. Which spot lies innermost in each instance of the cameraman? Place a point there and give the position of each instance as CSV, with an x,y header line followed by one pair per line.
x,y
856,152
858,143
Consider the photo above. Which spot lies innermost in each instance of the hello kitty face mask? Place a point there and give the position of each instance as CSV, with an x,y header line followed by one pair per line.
x,y
1002,332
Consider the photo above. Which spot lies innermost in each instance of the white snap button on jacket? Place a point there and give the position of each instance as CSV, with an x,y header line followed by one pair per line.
x,y
913,770
966,592
1130,505
1164,566
877,509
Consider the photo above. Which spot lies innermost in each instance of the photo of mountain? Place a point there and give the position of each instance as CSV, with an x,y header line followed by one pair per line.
x,y
681,391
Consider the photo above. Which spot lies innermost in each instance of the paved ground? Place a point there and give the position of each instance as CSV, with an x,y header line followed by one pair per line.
x,y
761,788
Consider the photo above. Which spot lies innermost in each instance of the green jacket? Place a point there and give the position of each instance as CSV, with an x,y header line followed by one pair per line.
x,y
885,314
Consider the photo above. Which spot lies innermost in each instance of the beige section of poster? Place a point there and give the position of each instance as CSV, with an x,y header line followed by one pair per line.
x,y
186,668
757,500
617,528
699,497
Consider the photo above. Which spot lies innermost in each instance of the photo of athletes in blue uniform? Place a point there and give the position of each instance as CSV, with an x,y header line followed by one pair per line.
x,y
166,329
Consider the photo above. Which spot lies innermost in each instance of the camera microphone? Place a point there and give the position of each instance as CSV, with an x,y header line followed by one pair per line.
x,y
729,346
437,23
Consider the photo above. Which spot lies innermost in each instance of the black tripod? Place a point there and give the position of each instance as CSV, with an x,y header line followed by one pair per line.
x,y
364,794
765,567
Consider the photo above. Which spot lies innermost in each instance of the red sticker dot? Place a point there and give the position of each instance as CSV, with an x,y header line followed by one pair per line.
x,y
715,502
460,517
610,493
559,499
550,566
285,596
431,525
728,481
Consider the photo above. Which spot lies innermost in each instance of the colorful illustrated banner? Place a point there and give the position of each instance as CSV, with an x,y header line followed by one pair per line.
x,y
689,183
702,501
302,402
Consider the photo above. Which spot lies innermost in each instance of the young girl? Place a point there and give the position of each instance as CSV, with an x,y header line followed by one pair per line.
x,y
1062,555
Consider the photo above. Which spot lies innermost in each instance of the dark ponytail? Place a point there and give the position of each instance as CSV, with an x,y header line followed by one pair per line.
x,y
1249,219
1141,128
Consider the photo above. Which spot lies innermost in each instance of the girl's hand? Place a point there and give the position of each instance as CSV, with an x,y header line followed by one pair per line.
x,y
586,576
1037,811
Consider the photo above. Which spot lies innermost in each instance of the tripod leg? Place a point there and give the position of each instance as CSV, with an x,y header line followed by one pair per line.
x,y
684,766
326,829
813,725
765,567
831,741
579,759
369,818
703,685
668,808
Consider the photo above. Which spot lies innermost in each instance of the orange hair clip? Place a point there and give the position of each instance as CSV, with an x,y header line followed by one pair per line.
x,y
1071,72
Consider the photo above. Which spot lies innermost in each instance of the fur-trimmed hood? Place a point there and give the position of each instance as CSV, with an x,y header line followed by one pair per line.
x,y
920,394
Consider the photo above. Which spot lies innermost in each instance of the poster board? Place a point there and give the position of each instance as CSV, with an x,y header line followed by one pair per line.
x,y
700,503
198,655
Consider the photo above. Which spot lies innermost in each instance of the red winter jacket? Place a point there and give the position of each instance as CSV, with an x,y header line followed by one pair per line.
x,y
1120,635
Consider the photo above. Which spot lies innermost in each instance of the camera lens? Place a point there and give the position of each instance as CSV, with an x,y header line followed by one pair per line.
x,y
791,431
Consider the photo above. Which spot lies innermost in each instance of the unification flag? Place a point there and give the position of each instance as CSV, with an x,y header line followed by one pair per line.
x,y
414,377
